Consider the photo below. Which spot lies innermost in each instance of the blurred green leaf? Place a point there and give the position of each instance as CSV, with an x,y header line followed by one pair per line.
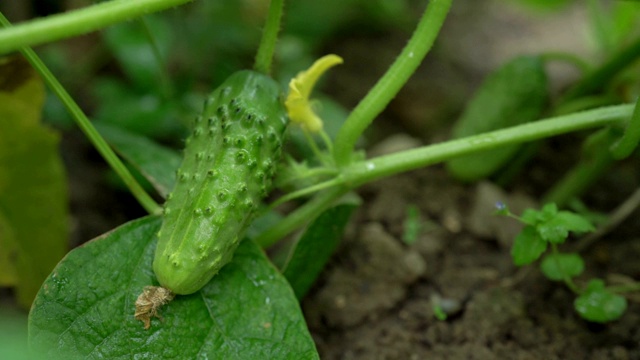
x,y
9,247
573,222
13,336
33,193
548,212
85,308
553,225
139,112
527,247
157,163
514,94
553,231
599,305
557,266
613,23
530,217
315,247
544,4
132,44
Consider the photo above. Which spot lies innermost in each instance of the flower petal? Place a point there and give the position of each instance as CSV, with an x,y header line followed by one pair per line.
x,y
297,102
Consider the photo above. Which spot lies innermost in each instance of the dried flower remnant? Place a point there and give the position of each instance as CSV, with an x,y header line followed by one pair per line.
x,y
149,302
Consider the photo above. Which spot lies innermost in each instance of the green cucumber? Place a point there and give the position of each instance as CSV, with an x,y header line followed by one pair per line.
x,y
228,163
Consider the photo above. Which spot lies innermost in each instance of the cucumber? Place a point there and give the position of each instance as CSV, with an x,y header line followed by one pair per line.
x,y
228,163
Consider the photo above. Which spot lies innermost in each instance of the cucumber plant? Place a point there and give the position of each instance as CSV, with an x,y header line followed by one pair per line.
x,y
231,301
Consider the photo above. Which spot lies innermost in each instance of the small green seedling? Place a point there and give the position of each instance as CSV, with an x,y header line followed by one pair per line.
x,y
412,225
439,313
547,228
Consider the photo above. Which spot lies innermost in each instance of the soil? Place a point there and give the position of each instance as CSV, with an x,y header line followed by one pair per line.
x,y
376,298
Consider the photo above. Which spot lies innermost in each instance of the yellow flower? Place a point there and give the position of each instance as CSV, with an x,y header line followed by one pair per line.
x,y
300,87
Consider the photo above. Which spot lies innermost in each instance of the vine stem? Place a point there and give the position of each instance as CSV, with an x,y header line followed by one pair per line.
x,y
78,22
366,171
90,131
267,47
383,166
300,216
603,74
388,86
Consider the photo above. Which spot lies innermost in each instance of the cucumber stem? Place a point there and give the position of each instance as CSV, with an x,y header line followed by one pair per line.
x,y
78,22
602,75
629,141
390,83
299,217
369,170
267,47
373,169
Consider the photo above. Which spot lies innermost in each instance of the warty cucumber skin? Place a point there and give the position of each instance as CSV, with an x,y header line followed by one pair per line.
x,y
227,167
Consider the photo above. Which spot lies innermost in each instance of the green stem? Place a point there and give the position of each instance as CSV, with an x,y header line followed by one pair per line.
x,y
300,216
78,22
306,191
264,57
585,103
389,85
603,74
568,58
369,170
316,171
312,144
383,166
327,141
103,148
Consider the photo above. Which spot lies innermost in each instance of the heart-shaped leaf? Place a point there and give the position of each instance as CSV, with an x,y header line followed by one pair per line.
x,y
85,308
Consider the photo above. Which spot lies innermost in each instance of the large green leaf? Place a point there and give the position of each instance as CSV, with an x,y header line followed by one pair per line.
x,y
315,247
156,162
33,192
85,308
